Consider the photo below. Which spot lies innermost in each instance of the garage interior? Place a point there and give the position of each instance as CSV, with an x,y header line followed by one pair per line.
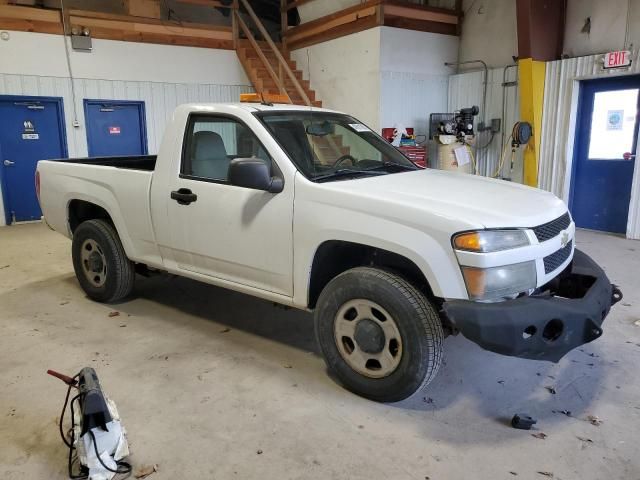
x,y
213,383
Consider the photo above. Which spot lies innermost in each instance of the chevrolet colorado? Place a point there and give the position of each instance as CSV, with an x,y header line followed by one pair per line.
x,y
311,209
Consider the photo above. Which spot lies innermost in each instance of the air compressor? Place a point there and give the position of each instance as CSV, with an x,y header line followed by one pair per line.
x,y
96,439
452,135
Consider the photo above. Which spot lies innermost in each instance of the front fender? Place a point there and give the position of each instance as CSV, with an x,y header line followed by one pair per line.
x,y
437,263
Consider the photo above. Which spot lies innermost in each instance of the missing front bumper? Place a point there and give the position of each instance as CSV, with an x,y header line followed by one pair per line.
x,y
541,327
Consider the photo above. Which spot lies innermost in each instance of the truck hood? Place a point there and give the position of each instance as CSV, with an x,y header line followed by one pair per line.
x,y
478,201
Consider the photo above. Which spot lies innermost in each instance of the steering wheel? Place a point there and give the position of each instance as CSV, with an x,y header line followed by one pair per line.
x,y
342,159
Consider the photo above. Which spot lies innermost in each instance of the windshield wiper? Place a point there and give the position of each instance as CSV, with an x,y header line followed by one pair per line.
x,y
347,172
390,165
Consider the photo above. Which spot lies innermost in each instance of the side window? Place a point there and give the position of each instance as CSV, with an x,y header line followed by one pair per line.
x,y
211,144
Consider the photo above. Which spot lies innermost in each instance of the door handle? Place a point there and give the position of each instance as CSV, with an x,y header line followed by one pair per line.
x,y
8,163
183,196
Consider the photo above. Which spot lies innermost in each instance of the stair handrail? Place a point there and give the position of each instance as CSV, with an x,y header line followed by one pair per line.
x,y
261,55
274,48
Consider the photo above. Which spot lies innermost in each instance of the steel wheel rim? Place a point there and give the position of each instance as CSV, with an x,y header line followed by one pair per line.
x,y
361,357
94,262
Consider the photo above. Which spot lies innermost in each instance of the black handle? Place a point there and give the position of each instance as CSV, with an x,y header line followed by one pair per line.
x,y
183,196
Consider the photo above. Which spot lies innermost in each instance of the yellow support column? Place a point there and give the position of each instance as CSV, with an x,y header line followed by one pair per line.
x,y
531,75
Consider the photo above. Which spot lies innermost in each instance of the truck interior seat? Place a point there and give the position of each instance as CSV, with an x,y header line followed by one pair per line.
x,y
210,158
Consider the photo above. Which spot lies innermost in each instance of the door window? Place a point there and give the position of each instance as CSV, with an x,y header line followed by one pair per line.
x,y
211,144
613,124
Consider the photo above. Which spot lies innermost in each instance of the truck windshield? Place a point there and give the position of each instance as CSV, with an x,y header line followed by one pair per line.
x,y
329,146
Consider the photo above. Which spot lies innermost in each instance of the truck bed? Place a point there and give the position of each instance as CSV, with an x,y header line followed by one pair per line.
x,y
131,162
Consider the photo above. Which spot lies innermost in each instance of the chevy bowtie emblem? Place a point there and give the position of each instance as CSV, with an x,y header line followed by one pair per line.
x,y
565,239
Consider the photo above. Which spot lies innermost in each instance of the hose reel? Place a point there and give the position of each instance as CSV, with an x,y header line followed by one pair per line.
x,y
520,135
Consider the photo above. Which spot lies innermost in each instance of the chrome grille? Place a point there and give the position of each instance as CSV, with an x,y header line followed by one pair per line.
x,y
553,261
553,228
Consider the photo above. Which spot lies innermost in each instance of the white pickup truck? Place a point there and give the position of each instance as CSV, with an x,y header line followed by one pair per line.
x,y
311,209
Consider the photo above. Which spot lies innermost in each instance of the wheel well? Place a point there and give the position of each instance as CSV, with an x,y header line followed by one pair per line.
x,y
334,257
81,211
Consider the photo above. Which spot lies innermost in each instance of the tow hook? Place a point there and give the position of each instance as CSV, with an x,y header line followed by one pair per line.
x,y
616,294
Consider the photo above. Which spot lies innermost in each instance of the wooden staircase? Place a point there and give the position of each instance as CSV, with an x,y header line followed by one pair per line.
x,y
261,79
267,64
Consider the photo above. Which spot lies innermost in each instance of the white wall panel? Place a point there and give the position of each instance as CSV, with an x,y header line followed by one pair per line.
x,y
413,76
28,53
345,73
466,90
409,98
558,126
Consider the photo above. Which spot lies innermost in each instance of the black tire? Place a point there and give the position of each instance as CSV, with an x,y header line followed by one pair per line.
x,y
119,271
417,321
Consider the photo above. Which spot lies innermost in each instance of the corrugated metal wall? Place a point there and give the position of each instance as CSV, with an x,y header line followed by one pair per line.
x,y
558,126
160,100
409,98
465,90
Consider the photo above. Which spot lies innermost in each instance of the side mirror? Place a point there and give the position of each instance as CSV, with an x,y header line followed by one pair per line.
x,y
253,173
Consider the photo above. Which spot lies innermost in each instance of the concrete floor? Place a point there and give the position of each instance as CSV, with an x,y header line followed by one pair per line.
x,y
205,378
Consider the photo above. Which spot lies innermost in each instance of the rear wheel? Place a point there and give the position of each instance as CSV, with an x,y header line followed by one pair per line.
x,y
378,334
100,263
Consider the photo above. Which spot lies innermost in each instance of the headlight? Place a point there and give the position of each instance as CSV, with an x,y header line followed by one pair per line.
x,y
485,241
497,282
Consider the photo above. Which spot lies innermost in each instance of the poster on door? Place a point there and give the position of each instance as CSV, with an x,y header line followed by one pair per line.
x,y
614,119
29,131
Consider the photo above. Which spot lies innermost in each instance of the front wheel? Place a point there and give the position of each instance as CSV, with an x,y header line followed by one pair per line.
x,y
378,334
100,262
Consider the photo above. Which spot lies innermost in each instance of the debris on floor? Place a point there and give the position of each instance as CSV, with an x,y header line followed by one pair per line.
x,y
546,474
522,421
225,330
114,314
539,435
584,439
594,420
551,389
143,471
259,452
563,412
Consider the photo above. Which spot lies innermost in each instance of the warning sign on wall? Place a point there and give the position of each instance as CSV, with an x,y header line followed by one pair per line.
x,y
114,130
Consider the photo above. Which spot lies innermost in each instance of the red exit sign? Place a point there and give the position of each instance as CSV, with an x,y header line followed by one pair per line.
x,y
619,59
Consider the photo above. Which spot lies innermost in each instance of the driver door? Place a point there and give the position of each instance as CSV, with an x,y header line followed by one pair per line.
x,y
226,232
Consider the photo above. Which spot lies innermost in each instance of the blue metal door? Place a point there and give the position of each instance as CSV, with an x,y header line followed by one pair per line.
x,y
604,154
115,127
31,129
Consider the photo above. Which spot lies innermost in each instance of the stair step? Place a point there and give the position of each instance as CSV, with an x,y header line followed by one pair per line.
x,y
262,70
261,79
255,62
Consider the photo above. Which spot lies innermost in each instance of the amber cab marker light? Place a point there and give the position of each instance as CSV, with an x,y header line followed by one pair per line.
x,y
263,98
